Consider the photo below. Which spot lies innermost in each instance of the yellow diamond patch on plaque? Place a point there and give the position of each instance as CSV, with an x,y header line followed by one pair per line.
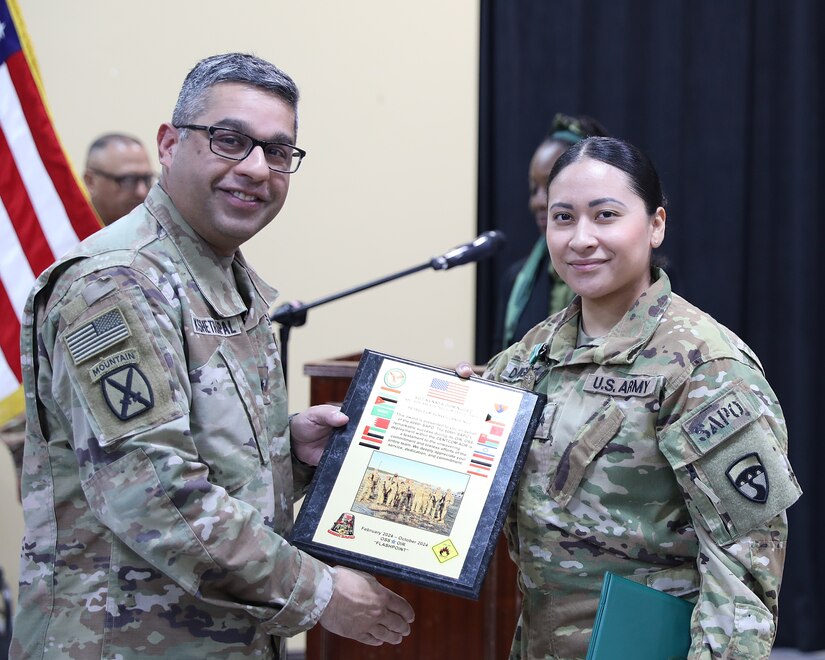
x,y
445,551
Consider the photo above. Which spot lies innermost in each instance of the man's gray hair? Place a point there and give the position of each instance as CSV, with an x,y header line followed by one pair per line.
x,y
231,68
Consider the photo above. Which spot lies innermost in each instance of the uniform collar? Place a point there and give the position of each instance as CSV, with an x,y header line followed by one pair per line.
x,y
623,343
216,283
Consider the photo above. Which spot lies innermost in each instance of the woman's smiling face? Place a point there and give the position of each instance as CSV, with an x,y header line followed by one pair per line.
x,y
600,235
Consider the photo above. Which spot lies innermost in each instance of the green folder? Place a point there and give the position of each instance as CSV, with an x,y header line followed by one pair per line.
x,y
636,621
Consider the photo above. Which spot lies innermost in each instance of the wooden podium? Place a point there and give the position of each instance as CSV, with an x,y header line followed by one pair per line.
x,y
446,627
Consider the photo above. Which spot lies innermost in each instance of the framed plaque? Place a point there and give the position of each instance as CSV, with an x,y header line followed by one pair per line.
x,y
417,484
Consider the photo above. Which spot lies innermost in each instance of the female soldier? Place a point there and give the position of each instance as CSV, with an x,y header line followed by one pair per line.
x,y
662,453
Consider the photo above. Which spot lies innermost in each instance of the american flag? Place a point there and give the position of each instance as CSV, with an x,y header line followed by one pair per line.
x,y
43,211
97,335
448,391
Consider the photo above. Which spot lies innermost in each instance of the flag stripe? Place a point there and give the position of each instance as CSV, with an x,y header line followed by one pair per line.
x,y
10,344
9,383
370,446
15,198
43,211
43,198
76,209
384,412
16,275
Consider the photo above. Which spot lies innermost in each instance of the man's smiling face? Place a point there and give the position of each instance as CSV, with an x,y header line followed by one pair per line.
x,y
226,201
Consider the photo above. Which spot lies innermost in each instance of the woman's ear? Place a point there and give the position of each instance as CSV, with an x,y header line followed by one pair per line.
x,y
657,227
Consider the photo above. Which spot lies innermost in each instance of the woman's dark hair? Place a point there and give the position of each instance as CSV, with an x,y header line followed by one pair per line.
x,y
644,180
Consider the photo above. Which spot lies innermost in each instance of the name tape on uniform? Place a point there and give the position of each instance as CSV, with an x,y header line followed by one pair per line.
x,y
620,386
219,327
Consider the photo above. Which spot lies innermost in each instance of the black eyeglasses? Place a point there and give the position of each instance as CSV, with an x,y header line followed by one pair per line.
x,y
126,181
234,145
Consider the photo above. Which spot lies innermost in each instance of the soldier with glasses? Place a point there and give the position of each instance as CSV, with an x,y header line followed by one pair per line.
x,y
160,464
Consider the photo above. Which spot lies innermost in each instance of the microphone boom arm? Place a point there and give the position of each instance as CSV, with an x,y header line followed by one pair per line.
x,y
295,315
290,316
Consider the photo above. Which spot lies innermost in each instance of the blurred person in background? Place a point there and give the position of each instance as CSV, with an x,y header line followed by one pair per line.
x,y
118,175
531,289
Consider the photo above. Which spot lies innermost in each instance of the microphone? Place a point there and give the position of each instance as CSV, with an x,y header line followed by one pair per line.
x,y
486,245
482,247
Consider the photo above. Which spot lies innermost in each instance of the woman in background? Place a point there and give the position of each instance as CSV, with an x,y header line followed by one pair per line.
x,y
531,289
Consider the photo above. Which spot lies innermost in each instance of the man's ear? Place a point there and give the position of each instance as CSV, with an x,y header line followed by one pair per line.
x,y
168,140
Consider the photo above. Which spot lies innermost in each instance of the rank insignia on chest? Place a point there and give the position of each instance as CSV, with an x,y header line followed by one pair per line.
x,y
750,478
127,392
545,423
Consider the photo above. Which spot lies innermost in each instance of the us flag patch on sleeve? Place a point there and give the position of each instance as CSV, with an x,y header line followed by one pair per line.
x,y
96,335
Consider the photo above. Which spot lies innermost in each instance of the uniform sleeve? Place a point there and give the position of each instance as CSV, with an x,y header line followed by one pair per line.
x,y
119,381
725,437
302,476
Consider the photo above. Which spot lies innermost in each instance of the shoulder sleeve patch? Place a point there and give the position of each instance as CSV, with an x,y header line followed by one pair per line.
x,y
127,389
127,392
97,334
720,418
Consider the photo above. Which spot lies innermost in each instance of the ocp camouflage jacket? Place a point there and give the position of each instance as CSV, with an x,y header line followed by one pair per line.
x,y
661,457
158,478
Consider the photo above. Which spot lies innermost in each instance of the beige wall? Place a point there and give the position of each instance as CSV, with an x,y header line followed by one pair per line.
x,y
388,116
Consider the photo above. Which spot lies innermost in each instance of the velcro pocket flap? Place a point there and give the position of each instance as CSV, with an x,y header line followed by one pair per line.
x,y
596,432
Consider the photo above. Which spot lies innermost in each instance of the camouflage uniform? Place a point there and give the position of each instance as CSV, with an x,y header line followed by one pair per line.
x,y
661,457
157,477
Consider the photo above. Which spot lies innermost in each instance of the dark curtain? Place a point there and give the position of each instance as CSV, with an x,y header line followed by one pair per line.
x,y
726,97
